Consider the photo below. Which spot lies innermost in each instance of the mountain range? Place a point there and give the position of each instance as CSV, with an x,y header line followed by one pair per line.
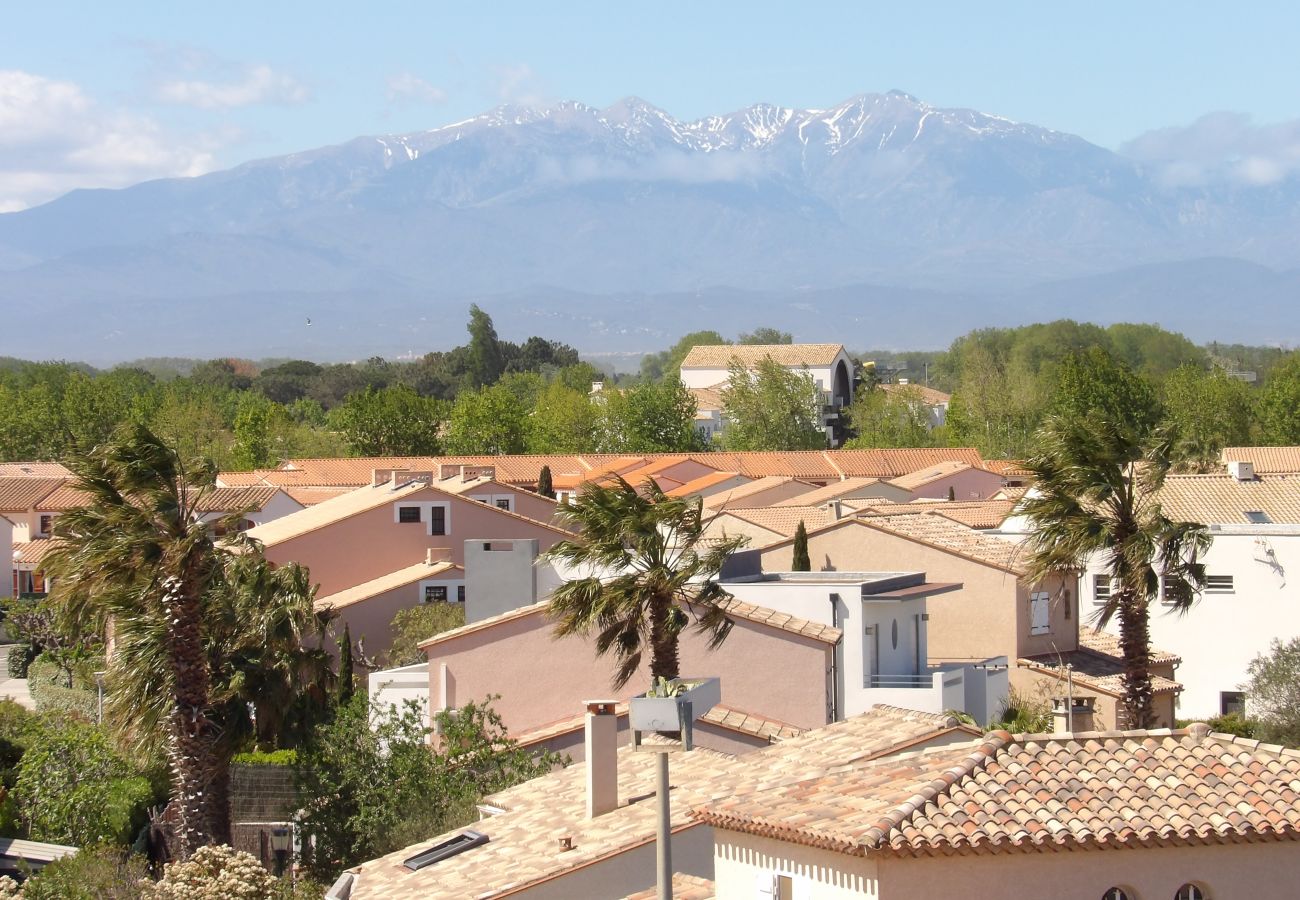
x,y
882,222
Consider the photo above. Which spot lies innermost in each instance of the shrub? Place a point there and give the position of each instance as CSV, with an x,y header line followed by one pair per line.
x,y
72,788
419,623
62,691
93,873
1273,693
214,873
1023,715
20,657
1235,725
266,758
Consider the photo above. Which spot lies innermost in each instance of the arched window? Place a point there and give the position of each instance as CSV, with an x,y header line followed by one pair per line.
x,y
1116,893
1191,891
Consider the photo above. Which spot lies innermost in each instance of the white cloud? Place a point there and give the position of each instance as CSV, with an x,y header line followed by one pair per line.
x,y
1218,147
519,85
408,88
254,85
54,137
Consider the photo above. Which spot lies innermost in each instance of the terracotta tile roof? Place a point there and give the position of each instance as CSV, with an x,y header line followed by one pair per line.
x,y
723,716
720,356
21,493
734,496
63,498
34,470
1014,494
930,474
891,463
1267,460
1223,500
310,496
708,399
927,395
702,483
783,520
1006,467
976,514
783,621
30,553
685,887
1006,793
953,537
1107,644
1096,669
389,582
229,499
522,850
833,491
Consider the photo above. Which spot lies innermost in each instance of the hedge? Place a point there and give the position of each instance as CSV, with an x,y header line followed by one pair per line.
x,y
20,657
49,686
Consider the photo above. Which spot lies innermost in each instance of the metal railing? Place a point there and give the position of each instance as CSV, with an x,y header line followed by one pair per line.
x,y
900,681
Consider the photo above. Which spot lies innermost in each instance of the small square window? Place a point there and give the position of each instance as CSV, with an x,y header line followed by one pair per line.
x,y
435,593
408,514
46,523
504,503
1232,703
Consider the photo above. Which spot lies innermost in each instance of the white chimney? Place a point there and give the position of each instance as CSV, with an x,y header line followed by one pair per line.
x,y
602,758
1242,470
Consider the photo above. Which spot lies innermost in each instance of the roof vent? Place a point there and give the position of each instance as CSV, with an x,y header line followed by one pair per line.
x,y
1242,469
466,840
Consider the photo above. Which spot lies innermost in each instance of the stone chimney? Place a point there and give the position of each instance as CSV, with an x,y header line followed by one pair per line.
x,y
1081,716
602,758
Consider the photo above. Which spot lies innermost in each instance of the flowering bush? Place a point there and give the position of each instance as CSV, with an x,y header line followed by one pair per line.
x,y
213,873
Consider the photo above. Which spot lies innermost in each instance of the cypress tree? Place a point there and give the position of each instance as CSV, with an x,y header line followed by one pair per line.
x,y
952,492
544,486
801,562
347,683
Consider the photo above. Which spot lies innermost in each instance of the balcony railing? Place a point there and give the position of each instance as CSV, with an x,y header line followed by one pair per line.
x,y
901,681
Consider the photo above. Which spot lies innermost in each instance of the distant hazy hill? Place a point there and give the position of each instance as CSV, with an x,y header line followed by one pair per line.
x,y
883,221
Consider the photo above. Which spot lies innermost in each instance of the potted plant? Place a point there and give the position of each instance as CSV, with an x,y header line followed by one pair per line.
x,y
671,704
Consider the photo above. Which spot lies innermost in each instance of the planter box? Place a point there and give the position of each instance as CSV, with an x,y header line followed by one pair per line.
x,y
675,713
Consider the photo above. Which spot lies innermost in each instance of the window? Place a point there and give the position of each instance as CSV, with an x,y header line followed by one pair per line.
x,y
1218,584
1069,606
784,888
1254,517
46,522
435,593
1040,613
448,848
1190,892
408,514
460,593
503,503
438,522
1232,703
1101,588
1116,894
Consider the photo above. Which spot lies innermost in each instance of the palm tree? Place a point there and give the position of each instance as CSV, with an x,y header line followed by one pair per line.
x,y
200,629
645,564
1096,493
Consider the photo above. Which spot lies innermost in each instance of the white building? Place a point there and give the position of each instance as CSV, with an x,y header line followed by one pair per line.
x,y
706,368
883,655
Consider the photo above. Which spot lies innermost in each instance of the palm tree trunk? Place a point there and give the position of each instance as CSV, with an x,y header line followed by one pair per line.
x,y
218,797
663,641
192,754
1135,644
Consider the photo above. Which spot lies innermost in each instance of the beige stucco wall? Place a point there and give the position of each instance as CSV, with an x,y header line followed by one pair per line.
x,y
729,526
968,484
542,679
361,548
989,616
1045,686
768,497
1262,871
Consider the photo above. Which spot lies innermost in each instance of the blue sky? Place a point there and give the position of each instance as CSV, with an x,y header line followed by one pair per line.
x,y
107,94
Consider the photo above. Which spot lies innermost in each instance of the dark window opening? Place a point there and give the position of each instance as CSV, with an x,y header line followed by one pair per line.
x,y
46,522
1232,703
435,593
504,504
408,514
1255,517
460,593
1218,584
439,524
466,840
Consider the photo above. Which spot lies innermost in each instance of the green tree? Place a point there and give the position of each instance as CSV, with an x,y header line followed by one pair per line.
x,y
1273,693
73,788
659,366
256,422
1094,383
562,421
1152,352
1279,404
486,361
890,419
766,336
544,486
772,408
393,421
800,561
648,418
1096,489
488,420
347,684
1209,411
997,403
370,785
650,562
416,624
